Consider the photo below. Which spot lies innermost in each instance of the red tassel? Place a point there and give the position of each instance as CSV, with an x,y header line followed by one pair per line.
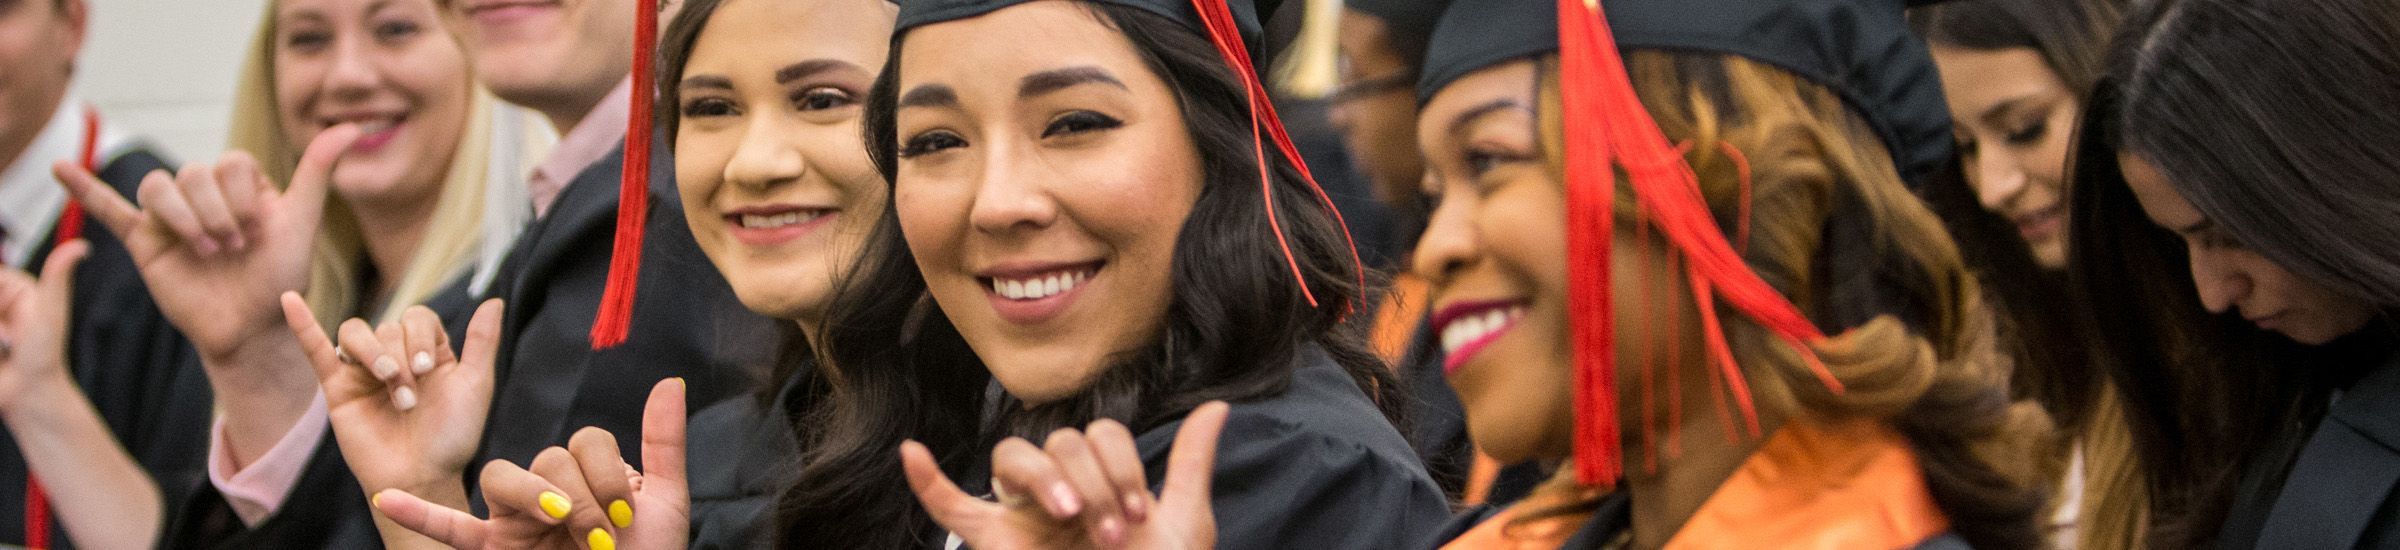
x,y
70,227
1217,17
1591,213
615,318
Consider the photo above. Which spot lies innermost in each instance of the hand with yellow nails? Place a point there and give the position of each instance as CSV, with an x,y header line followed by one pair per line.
x,y
582,495
407,411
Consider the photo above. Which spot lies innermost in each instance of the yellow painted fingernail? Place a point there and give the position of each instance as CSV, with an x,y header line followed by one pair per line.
x,y
620,513
375,501
601,540
555,505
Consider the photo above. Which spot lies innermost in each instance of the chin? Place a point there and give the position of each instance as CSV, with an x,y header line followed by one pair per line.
x,y
1035,377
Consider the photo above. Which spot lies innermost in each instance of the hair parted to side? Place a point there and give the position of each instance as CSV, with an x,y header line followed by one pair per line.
x,y
452,237
1237,324
1832,226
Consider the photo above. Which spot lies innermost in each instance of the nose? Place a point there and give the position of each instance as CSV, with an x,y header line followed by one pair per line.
x,y
764,157
1450,241
353,75
1999,181
2221,285
1014,194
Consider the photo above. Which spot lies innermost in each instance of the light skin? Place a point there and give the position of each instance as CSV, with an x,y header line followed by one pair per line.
x,y
776,187
1496,245
39,40
2014,120
1053,155
556,57
1378,125
101,496
388,65
2233,278
759,134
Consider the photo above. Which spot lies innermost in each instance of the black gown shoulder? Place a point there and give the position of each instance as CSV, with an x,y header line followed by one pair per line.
x,y
2342,488
139,372
1316,467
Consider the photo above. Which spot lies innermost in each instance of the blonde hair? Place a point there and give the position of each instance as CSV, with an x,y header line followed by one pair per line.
x,y
452,237
1937,377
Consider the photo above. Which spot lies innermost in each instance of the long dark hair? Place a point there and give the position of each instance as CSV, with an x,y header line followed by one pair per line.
x,y
1236,327
2264,119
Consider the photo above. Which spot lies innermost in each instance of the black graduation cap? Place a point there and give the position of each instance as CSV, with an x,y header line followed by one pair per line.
x,y
1234,26
1862,50
1408,22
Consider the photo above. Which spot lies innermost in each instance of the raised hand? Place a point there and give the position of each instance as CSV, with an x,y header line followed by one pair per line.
x,y
33,326
579,496
1081,490
217,243
406,409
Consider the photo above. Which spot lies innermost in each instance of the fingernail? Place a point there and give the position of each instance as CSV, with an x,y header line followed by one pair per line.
x,y
1112,530
620,513
555,504
385,367
601,540
404,398
1067,503
375,501
423,363
1135,509
679,381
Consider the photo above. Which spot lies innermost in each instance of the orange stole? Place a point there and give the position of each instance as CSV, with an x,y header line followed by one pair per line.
x,y
1817,485
1812,485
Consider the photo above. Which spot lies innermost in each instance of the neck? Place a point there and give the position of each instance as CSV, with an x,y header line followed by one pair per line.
x,y
390,233
568,109
1663,500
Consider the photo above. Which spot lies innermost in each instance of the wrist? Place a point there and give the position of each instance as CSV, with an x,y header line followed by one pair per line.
x,y
38,396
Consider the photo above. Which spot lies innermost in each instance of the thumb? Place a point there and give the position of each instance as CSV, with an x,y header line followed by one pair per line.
x,y
482,348
1193,462
662,438
58,276
314,175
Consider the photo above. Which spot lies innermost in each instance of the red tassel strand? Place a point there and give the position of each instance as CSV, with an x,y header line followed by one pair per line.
x,y
615,318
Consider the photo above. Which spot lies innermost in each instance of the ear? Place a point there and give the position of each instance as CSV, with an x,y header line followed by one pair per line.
x,y
79,16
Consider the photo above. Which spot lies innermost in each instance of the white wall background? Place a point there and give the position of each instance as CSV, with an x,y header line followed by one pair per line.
x,y
164,69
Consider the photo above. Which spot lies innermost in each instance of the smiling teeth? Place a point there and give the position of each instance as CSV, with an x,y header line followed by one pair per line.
x,y
1039,287
1470,329
755,221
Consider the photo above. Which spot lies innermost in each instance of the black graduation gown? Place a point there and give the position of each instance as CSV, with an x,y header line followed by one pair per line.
x,y
139,372
2338,492
1316,467
1610,521
740,455
549,381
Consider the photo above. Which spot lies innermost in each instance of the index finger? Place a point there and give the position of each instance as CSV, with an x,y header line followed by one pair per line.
x,y
942,499
313,341
100,200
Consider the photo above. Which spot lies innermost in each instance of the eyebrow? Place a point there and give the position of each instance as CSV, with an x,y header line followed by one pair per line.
x,y
1458,125
809,68
1059,79
1998,111
929,95
2203,225
706,81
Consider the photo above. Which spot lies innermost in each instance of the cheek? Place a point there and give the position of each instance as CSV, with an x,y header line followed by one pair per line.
x,y
929,217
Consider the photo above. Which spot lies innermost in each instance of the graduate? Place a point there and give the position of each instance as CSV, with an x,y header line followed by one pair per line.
x,y
551,281
1756,335
2242,268
2015,73
113,404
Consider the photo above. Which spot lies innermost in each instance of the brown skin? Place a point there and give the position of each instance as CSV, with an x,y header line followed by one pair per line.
x,y
2230,276
748,144
1499,234
1381,128
1100,171
38,43
2015,118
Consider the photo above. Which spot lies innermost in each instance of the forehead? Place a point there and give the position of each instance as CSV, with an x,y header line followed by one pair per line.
x,y
1981,77
988,53
2165,206
1505,81
778,32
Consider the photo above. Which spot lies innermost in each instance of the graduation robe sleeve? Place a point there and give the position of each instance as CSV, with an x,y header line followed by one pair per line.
x,y
1317,467
137,369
